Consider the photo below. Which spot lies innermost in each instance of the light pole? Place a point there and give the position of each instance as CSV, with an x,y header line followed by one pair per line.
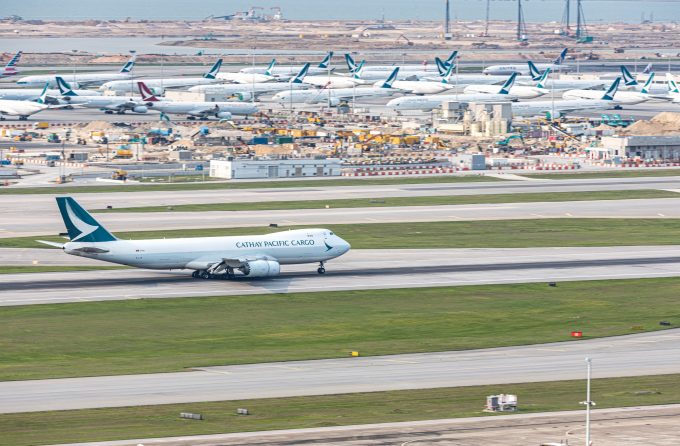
x,y
588,403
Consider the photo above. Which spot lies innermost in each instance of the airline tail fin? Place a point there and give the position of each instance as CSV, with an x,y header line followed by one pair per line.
x,y
505,89
645,88
672,86
544,76
441,66
534,72
648,69
390,80
212,74
129,65
628,79
10,68
64,87
269,69
359,70
351,64
301,75
146,93
611,92
452,58
80,225
446,77
560,59
42,99
326,62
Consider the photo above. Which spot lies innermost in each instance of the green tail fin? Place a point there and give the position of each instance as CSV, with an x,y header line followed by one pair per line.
x,y
80,225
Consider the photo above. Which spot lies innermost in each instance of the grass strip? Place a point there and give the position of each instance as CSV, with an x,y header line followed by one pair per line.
x,y
28,429
406,201
162,335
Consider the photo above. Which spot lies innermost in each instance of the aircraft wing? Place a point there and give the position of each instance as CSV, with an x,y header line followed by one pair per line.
x,y
202,111
231,262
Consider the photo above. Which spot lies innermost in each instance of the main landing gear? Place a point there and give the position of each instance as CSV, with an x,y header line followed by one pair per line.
x,y
321,269
225,273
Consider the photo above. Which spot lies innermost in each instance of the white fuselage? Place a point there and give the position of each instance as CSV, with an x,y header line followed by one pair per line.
x,y
202,108
426,103
621,97
331,81
116,103
536,108
74,80
283,71
31,94
418,87
233,89
130,86
20,108
323,95
244,78
522,69
520,91
288,247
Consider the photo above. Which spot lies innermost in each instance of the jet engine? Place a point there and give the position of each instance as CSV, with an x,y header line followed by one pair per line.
x,y
140,109
243,96
261,268
223,115
556,115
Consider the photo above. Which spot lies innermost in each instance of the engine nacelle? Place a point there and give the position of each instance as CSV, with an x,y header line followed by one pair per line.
x,y
140,109
261,268
243,96
556,115
223,115
333,102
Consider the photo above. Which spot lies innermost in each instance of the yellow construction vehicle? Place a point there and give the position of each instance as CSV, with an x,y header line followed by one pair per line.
x,y
119,174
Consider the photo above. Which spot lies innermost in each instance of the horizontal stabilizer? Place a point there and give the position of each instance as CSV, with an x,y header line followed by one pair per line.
x,y
53,244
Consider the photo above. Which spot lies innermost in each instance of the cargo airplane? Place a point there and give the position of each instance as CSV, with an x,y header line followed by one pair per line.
x,y
252,256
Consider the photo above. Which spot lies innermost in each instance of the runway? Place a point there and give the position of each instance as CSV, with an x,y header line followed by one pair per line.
x,y
359,269
634,355
18,225
610,427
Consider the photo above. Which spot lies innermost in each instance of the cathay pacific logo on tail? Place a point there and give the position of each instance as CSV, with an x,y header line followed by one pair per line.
x,y
390,80
64,88
611,92
325,63
127,68
628,78
650,79
351,65
534,71
505,89
80,225
212,74
301,75
270,68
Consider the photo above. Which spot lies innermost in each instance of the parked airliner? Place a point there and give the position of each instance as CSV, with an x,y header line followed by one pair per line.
x,y
80,79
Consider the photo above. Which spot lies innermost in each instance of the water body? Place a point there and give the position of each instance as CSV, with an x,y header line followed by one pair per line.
x,y
535,10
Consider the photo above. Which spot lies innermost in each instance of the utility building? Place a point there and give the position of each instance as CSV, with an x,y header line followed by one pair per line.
x,y
274,168
665,148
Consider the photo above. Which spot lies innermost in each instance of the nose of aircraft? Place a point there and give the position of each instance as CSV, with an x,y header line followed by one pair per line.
x,y
343,246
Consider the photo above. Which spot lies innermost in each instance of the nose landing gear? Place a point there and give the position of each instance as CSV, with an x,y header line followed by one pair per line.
x,y
321,269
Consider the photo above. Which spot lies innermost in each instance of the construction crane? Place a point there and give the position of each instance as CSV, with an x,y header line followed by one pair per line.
x,y
486,23
566,19
406,39
581,31
447,21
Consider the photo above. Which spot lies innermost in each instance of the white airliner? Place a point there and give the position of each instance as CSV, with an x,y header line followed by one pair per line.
x,y
32,94
430,102
289,71
423,87
201,110
520,91
621,97
11,68
673,90
508,69
24,109
246,92
559,84
249,78
108,104
334,96
158,85
80,79
555,109
210,257
371,70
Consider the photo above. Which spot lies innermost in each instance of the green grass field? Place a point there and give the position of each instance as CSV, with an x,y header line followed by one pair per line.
x,y
621,173
248,185
12,269
460,234
28,429
152,335
406,201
